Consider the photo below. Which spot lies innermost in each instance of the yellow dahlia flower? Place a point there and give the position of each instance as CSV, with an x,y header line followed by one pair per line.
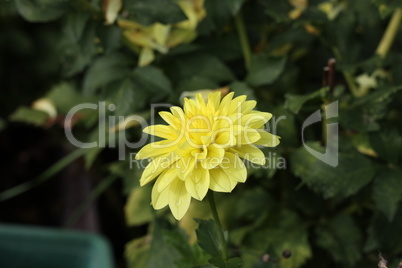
x,y
202,149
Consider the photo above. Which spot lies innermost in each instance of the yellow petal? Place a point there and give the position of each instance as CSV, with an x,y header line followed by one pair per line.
x,y
185,166
213,100
139,38
177,112
179,199
197,183
234,167
160,199
236,103
160,32
156,167
130,25
190,108
166,178
170,119
213,158
163,131
156,149
180,36
192,19
225,139
248,136
250,153
267,139
247,106
220,181
225,104
255,120
45,105
111,9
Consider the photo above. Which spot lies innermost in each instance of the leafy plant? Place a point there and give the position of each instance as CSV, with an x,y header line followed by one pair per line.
x,y
127,55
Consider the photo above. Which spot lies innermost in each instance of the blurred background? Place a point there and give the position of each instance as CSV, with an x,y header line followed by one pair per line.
x,y
57,54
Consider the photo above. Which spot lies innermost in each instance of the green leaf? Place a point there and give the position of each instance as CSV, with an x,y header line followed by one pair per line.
x,y
41,10
282,231
265,70
364,113
203,65
77,44
341,238
64,96
386,7
234,5
218,15
208,240
110,37
30,116
381,96
124,97
162,253
150,11
234,263
75,25
196,83
295,102
387,143
225,46
241,88
138,209
353,172
387,191
137,252
278,10
104,70
382,234
150,78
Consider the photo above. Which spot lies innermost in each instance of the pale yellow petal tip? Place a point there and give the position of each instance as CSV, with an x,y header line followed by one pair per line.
x,y
143,182
178,214
147,130
278,140
275,142
268,116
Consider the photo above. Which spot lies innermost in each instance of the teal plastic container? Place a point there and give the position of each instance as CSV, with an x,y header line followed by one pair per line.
x,y
31,247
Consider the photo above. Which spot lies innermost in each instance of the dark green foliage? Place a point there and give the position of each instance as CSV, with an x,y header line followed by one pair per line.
x,y
150,11
325,216
41,10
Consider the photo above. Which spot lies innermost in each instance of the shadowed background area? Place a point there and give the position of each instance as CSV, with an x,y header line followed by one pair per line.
x,y
294,57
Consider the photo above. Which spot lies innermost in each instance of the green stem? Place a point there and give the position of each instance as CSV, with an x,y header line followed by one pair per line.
x,y
348,76
221,234
244,43
47,174
390,33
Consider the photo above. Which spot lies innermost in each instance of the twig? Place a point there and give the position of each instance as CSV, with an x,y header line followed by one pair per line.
x,y
390,33
244,43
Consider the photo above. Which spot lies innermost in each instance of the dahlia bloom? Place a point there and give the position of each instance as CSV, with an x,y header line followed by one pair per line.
x,y
202,149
